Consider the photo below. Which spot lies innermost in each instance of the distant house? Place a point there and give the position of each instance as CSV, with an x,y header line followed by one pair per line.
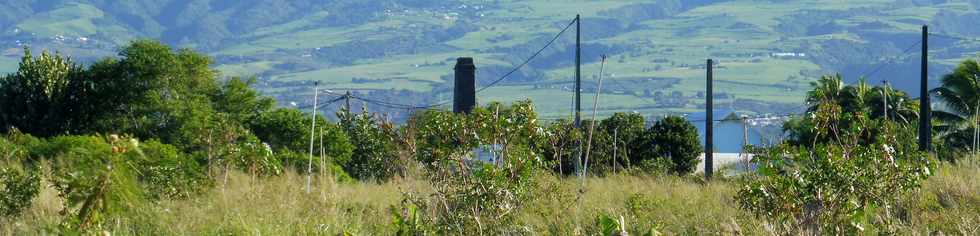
x,y
729,132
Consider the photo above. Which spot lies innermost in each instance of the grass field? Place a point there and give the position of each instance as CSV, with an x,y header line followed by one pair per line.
x,y
947,203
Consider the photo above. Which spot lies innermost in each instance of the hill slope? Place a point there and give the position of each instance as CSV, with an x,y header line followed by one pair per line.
x,y
403,51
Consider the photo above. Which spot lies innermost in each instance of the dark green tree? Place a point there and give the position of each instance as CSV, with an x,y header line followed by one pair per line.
x,y
375,156
36,99
623,129
672,139
959,116
287,130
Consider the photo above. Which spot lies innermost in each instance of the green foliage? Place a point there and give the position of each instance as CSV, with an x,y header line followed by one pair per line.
x,y
168,173
960,94
375,154
612,143
672,138
625,129
478,195
256,157
856,98
560,148
96,178
18,185
838,185
238,99
288,130
36,98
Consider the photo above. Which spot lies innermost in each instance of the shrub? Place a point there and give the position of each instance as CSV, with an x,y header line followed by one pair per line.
x,y
841,185
375,155
168,173
18,186
287,130
672,138
560,148
96,178
477,196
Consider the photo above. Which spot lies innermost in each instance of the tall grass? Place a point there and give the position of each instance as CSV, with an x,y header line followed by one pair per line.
x,y
245,205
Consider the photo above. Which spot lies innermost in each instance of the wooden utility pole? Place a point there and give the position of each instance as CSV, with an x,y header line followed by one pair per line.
x,y
708,125
595,110
925,107
309,167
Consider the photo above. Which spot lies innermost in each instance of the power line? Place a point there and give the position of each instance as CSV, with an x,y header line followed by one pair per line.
x,y
888,62
955,37
320,104
518,67
495,82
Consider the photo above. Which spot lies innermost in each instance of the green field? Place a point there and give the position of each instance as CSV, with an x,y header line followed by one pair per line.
x,y
740,35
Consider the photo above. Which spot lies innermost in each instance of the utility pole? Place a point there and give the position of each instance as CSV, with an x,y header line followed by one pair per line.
x,y
745,140
578,88
884,93
615,147
925,107
347,100
578,71
309,167
708,126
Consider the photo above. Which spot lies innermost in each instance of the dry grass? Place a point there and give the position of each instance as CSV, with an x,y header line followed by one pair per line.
x,y
948,202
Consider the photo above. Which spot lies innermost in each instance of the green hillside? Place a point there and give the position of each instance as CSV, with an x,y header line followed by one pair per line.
x,y
387,49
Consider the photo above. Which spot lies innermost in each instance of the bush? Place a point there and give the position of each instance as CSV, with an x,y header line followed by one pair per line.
x,y
841,185
475,196
168,173
96,179
375,155
560,147
673,138
18,186
288,130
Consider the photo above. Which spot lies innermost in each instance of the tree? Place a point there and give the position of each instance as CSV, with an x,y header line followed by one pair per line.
x,y
860,97
623,129
846,183
288,130
375,154
35,98
960,114
672,139
237,98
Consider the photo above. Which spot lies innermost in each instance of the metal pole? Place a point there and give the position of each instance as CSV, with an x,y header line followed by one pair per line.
x,y
884,93
615,147
925,107
347,100
708,125
309,167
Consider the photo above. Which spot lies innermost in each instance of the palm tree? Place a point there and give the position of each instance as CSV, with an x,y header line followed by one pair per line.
x,y
828,89
960,114
862,97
